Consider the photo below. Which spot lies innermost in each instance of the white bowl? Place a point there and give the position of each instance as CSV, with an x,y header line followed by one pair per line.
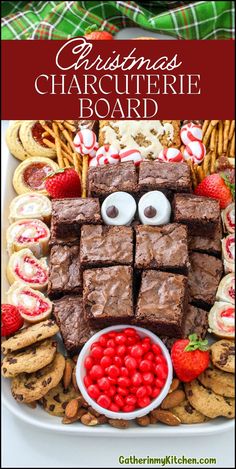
x,y
80,374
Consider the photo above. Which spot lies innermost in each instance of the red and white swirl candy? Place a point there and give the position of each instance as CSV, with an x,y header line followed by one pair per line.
x,y
85,142
131,154
195,151
107,154
228,252
190,133
171,155
32,304
226,289
228,218
221,319
25,267
32,234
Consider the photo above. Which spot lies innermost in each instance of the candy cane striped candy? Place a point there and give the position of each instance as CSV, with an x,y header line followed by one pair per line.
x,y
195,151
107,154
93,162
85,142
170,155
190,133
131,154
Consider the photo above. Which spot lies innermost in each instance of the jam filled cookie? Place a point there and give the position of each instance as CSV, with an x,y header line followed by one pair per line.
x,y
14,142
29,360
223,355
30,205
32,234
31,387
207,402
30,175
32,304
30,335
24,266
30,133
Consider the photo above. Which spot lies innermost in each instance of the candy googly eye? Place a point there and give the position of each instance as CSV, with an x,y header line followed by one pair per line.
x,y
118,209
154,208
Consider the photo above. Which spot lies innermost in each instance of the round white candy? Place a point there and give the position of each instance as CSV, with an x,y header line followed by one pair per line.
x,y
170,155
124,203
85,142
158,201
131,154
107,154
190,133
195,151
93,162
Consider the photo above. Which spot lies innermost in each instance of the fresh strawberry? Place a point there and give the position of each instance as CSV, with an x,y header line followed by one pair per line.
x,y
190,357
63,183
11,320
93,33
217,186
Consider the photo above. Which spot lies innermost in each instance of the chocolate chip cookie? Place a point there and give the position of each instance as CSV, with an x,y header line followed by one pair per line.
x,y
56,400
187,414
30,359
30,335
207,402
218,381
223,355
31,387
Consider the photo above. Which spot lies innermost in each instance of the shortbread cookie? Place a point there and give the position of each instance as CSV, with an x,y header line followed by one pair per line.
x,y
187,414
30,359
223,355
30,335
31,387
56,400
31,137
207,402
148,136
14,142
218,381
25,267
30,175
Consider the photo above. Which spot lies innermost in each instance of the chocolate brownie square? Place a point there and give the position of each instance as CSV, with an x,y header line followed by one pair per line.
x,y
162,247
64,271
108,295
162,302
103,246
69,214
104,180
206,244
200,214
74,327
157,175
204,277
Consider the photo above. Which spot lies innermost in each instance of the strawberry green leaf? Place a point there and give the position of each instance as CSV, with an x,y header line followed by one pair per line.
x,y
195,344
229,184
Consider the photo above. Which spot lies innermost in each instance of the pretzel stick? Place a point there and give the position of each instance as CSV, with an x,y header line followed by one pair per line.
x,y
200,173
67,164
67,137
213,162
220,138
182,149
206,163
52,145
226,135
76,163
69,126
231,130
58,145
70,121
45,134
84,175
204,127
51,132
207,134
232,147
193,175
213,139
214,123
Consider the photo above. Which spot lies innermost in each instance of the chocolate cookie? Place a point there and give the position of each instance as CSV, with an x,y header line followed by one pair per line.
x,y
30,335
218,381
187,413
31,387
207,402
30,359
223,355
56,400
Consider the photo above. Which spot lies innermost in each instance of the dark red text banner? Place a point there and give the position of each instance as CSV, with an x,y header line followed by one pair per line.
x,y
123,79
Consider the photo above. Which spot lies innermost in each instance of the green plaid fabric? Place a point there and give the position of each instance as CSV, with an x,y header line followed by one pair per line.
x,y
64,20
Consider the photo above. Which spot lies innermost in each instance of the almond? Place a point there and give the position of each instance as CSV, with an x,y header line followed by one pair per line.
x,y
118,423
72,409
173,399
67,374
74,382
174,385
153,419
77,417
165,416
89,419
143,421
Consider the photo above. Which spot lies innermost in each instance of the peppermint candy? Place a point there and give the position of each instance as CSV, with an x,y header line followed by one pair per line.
x,y
195,151
107,154
131,154
190,133
170,155
85,142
